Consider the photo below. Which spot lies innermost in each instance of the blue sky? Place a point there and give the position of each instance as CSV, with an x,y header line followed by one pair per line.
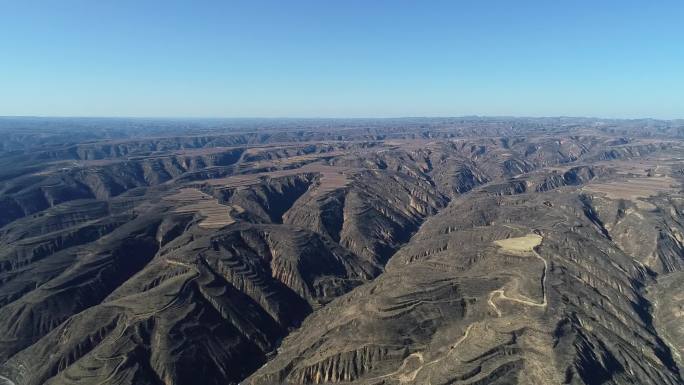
x,y
342,58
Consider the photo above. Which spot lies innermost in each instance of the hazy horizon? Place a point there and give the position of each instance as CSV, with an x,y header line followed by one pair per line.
x,y
398,117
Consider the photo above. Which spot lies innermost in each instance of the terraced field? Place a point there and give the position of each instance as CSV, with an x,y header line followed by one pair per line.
x,y
214,215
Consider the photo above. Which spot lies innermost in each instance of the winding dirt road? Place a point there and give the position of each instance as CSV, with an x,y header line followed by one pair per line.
x,y
410,376
500,294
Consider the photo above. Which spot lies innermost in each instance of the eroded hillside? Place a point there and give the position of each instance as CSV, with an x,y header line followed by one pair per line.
x,y
456,251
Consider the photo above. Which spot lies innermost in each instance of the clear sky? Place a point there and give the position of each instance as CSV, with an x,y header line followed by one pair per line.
x,y
351,58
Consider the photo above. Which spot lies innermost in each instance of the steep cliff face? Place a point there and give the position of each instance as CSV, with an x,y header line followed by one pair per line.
x,y
372,217
322,214
384,212
268,201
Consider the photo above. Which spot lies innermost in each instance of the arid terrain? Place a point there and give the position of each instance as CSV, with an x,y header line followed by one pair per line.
x,y
387,251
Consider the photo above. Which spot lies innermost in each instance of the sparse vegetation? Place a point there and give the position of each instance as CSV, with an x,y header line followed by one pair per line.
x,y
426,251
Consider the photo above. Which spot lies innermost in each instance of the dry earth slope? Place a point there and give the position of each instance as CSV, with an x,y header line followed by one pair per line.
x,y
433,251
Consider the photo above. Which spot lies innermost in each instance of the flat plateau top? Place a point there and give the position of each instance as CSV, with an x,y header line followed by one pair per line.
x,y
520,244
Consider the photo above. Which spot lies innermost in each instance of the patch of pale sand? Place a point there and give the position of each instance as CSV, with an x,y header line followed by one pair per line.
x,y
520,244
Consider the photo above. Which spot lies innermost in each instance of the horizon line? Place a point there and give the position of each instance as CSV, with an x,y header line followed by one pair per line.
x,y
398,117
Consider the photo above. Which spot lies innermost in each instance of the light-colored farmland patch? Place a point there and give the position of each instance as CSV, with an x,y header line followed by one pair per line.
x,y
331,177
635,189
307,157
639,167
520,244
215,214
